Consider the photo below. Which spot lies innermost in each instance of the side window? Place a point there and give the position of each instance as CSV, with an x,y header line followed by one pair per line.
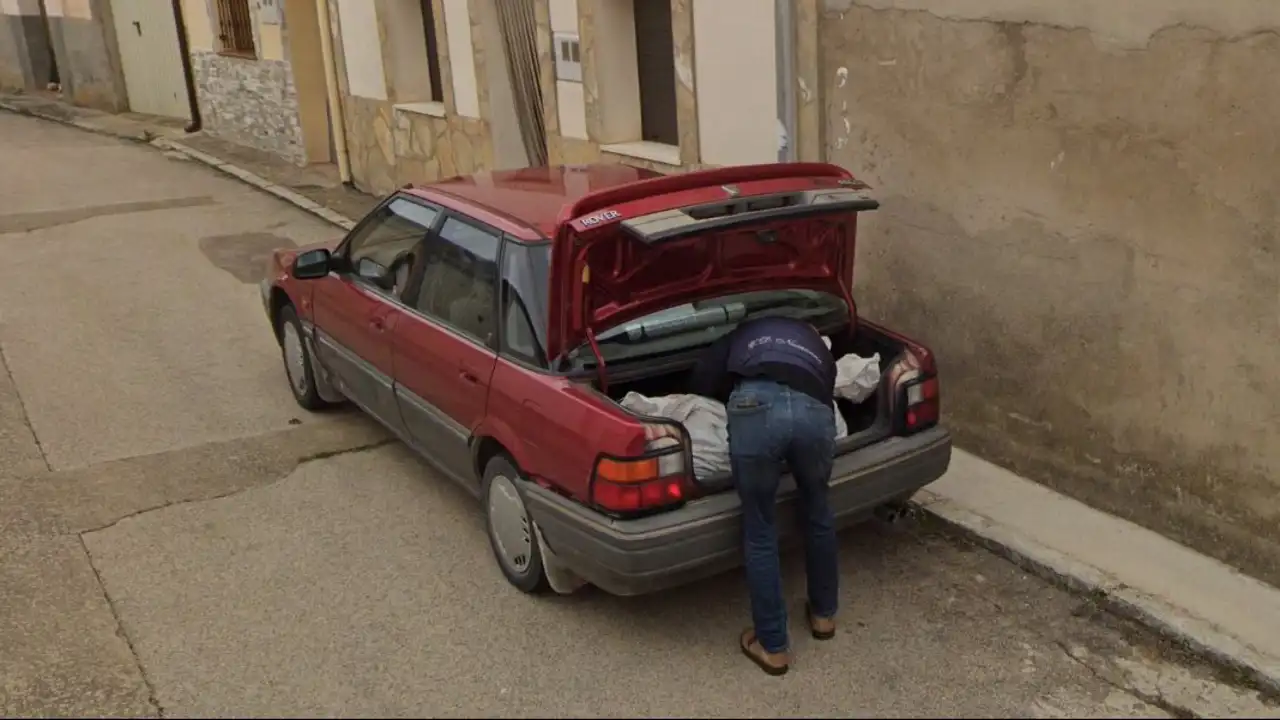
x,y
524,292
459,279
387,243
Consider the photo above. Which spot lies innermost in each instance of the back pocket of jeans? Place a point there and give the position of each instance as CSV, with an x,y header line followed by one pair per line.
x,y
745,404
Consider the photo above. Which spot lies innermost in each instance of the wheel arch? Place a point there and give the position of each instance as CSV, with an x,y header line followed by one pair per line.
x,y
279,300
493,438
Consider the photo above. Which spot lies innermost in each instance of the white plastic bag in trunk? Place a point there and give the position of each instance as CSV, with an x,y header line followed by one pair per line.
x,y
707,424
856,377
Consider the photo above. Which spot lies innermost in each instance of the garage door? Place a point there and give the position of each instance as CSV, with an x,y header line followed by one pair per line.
x,y
147,35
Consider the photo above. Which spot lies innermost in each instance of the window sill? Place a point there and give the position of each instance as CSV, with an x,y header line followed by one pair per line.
x,y
645,150
239,54
432,109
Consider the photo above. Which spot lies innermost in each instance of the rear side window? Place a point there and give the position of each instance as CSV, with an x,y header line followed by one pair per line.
x,y
459,280
524,298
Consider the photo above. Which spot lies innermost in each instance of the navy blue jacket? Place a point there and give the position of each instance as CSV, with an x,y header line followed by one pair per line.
x,y
789,352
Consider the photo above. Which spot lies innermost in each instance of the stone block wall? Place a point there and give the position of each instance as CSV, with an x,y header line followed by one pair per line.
x,y
249,102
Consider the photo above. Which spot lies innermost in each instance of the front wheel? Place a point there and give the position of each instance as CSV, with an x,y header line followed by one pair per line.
x,y
298,365
511,531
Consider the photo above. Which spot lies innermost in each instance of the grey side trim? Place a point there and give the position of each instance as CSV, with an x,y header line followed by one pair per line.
x,y
381,388
434,412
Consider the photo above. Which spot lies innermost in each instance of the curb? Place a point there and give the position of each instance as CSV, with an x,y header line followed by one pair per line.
x,y
1193,633
167,144
1173,623
293,198
142,136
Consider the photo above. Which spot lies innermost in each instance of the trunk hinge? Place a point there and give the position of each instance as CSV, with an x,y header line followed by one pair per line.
x,y
600,367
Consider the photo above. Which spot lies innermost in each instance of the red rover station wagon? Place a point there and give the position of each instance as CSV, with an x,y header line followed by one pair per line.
x,y
493,323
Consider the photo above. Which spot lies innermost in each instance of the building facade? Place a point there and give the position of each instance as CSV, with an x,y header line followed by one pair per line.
x,y
259,75
433,88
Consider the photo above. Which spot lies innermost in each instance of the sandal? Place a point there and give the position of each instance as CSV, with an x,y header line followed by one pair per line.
x,y
755,652
813,629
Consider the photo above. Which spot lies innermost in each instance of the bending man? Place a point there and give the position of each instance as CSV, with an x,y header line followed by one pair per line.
x,y
776,377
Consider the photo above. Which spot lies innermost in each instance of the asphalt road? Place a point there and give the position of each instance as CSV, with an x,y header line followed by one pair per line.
x,y
178,538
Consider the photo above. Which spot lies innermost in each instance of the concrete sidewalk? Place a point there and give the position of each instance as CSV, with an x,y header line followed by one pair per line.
x,y
1199,602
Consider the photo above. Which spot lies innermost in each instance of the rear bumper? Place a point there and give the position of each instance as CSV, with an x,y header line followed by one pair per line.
x,y
634,557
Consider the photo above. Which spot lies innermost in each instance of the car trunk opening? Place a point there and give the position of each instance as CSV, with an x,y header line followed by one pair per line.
x,y
868,422
653,253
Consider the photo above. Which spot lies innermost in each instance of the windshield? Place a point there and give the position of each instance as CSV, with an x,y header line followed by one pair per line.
x,y
704,321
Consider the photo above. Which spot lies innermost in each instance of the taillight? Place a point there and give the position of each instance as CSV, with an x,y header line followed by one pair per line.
x,y
919,398
653,480
923,404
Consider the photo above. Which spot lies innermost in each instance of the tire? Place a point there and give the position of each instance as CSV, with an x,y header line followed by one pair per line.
x,y
298,368
510,529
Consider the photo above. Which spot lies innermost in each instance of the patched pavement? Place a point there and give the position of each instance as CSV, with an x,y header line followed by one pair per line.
x,y
178,538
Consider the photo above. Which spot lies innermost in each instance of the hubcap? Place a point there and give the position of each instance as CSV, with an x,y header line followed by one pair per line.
x,y
295,359
510,525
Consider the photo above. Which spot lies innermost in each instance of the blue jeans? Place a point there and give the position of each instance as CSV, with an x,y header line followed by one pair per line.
x,y
770,423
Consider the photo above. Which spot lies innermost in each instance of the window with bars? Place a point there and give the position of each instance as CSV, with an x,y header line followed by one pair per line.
x,y
235,28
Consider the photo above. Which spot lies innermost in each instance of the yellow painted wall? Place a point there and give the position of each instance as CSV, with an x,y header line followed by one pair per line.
x,y
270,42
195,14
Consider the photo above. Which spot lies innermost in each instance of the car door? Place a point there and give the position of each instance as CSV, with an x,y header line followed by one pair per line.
x,y
444,348
355,314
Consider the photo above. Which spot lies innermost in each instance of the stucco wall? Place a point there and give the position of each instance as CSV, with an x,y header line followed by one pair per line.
x,y
83,43
1081,216
15,70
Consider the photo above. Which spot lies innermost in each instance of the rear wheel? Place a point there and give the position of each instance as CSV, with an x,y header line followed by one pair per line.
x,y
297,361
511,531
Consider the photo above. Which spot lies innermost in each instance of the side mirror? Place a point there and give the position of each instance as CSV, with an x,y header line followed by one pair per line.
x,y
375,272
312,264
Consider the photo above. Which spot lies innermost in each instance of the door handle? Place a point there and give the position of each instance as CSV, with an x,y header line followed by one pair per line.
x,y
469,377
378,324
137,26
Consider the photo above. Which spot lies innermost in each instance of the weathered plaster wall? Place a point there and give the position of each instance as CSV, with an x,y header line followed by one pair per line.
x,y
84,42
1082,216
80,37
15,70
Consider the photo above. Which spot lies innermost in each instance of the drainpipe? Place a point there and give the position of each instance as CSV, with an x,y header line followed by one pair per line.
x,y
336,122
785,26
184,49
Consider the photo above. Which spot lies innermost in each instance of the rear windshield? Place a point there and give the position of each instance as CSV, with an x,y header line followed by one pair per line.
x,y
700,323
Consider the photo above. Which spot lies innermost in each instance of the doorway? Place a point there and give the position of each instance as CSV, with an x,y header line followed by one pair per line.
x,y
151,58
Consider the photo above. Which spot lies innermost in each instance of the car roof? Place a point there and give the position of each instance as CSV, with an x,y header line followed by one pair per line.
x,y
526,204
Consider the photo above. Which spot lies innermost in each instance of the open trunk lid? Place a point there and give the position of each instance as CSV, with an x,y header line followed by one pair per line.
x,y
629,251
